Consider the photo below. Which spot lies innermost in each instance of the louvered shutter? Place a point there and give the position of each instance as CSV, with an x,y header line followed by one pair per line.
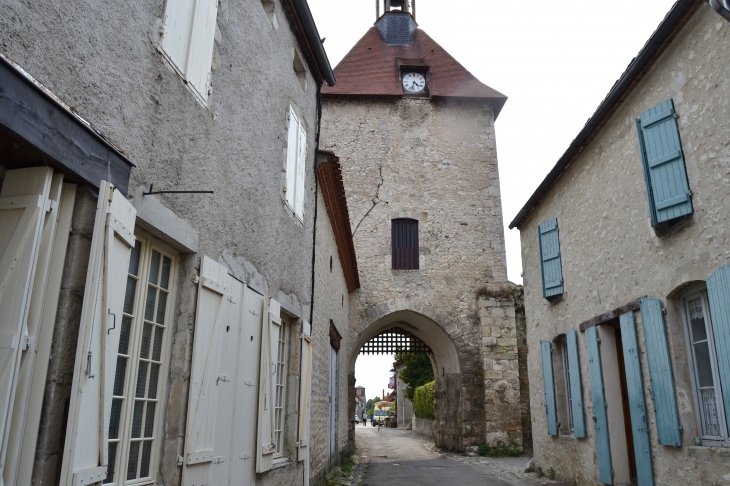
x,y
546,350
211,318
202,38
660,373
301,166
86,452
305,392
663,162
552,270
275,329
637,404
177,28
24,201
264,431
576,388
718,293
292,149
404,244
600,417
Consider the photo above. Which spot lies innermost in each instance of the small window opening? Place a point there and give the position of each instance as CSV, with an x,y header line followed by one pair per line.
x,y
300,70
404,243
330,264
270,11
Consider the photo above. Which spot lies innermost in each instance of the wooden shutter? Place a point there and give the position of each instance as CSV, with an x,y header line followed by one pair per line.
x,y
86,452
718,293
660,373
663,162
305,392
24,201
600,418
275,328
292,148
548,382
202,38
552,270
211,318
301,166
265,447
637,404
576,387
177,28
404,244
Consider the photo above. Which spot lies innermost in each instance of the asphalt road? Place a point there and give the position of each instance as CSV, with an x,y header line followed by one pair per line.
x,y
398,457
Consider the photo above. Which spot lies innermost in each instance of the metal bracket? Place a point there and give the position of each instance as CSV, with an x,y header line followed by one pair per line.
x,y
114,326
173,192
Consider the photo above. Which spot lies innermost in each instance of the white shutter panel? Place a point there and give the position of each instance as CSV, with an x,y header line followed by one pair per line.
x,y
177,29
292,148
23,202
305,391
86,450
301,166
275,329
32,356
201,46
212,316
264,445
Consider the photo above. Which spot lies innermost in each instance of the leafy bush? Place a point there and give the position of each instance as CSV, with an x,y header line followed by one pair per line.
x,y
423,401
499,450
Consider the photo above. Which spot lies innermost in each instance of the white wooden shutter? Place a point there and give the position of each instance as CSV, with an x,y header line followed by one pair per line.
x,y
292,148
86,452
212,316
201,46
301,165
23,202
275,330
177,29
305,391
265,447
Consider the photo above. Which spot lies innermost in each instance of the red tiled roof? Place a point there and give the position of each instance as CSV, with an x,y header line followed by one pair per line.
x,y
371,69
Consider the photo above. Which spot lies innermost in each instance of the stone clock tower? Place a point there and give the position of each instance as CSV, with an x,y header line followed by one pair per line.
x,y
414,132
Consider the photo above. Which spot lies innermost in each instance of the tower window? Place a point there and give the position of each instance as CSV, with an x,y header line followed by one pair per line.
x,y
404,237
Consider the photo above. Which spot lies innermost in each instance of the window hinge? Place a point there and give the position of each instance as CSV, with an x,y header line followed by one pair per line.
x,y
180,460
196,279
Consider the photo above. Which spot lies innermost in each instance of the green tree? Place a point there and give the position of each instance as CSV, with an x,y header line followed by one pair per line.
x,y
418,370
370,405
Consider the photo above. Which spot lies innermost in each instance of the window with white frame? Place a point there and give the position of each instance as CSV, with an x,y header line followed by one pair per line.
x,y
187,41
566,378
280,398
296,158
705,375
138,396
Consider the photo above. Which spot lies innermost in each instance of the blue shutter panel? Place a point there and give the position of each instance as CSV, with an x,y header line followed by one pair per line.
x,y
552,271
718,293
660,373
600,418
637,405
576,392
663,162
549,384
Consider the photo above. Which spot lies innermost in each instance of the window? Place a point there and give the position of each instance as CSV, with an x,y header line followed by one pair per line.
x,y
296,157
667,188
704,364
280,398
187,41
551,265
404,242
566,378
137,403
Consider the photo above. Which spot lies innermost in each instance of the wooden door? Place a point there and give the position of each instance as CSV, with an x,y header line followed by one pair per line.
x,y
333,409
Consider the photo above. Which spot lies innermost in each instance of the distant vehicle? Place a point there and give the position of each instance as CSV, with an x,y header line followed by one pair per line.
x,y
383,410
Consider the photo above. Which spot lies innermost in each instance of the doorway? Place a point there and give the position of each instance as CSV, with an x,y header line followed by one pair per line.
x,y
628,431
333,409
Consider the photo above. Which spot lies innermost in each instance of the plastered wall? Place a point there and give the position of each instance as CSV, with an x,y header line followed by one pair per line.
x,y
611,255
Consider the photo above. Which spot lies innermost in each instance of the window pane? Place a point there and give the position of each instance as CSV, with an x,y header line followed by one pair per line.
x,y
114,419
141,379
157,348
154,267
149,421
133,460
112,462
704,366
137,419
697,320
144,349
124,335
119,376
129,295
710,420
149,305
146,453
134,258
161,308
154,375
165,281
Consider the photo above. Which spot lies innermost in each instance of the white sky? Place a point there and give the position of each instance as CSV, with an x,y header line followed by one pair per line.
x,y
556,61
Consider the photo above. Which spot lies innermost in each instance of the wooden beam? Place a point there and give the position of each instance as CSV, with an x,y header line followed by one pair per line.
x,y
609,316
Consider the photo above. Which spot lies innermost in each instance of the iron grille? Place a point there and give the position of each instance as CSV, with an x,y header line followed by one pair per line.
x,y
395,340
404,237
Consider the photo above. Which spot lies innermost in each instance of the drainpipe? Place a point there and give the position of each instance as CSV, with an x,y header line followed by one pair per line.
x,y
722,7
316,188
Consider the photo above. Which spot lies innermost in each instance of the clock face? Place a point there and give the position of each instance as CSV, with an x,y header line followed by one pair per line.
x,y
414,82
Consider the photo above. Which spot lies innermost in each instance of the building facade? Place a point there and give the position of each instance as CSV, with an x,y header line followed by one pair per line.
x,y
157,243
414,131
626,264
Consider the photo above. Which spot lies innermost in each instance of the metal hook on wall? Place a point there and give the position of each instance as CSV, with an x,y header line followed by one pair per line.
x,y
109,311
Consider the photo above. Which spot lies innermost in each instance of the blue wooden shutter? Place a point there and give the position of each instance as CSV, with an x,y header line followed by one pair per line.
x,y
552,271
660,373
576,392
600,418
549,384
663,162
637,405
718,293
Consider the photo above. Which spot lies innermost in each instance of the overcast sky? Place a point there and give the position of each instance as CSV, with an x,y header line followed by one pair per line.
x,y
556,61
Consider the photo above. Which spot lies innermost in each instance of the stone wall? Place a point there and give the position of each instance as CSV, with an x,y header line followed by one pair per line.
x,y
422,426
433,161
611,255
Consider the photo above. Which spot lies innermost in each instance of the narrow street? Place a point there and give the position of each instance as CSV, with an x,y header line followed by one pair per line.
x,y
400,456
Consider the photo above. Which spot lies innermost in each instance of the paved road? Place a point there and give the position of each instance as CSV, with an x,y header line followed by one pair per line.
x,y
398,457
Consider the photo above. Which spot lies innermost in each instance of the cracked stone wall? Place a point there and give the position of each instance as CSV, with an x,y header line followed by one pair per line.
x,y
611,255
434,161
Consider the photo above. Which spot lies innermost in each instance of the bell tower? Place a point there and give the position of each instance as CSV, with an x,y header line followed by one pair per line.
x,y
396,6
